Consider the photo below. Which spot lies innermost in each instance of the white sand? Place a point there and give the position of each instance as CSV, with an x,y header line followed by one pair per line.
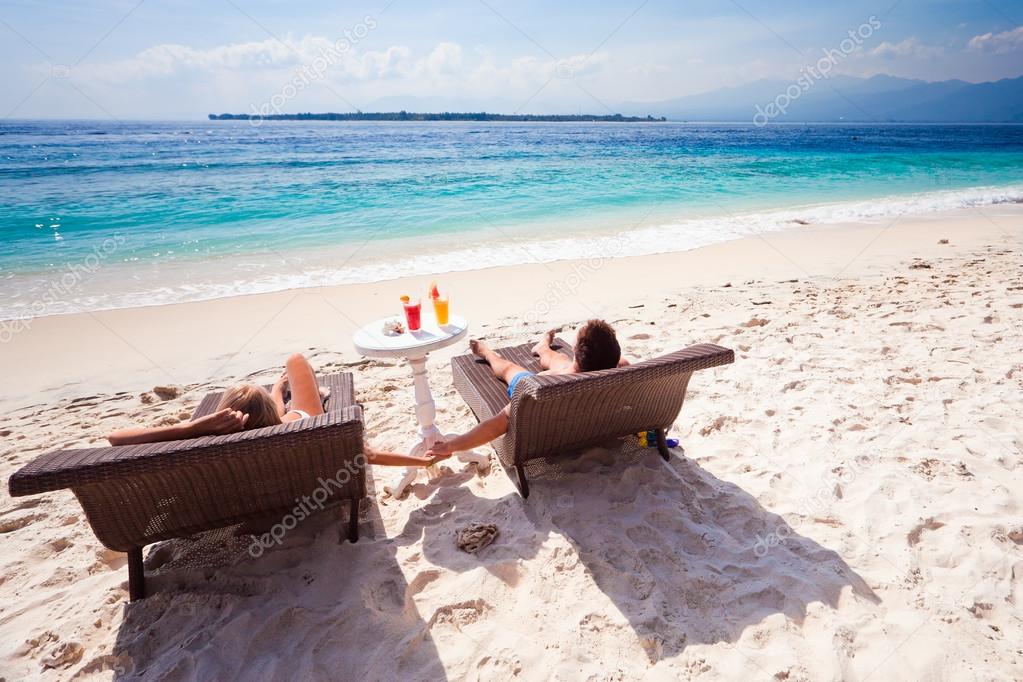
x,y
847,506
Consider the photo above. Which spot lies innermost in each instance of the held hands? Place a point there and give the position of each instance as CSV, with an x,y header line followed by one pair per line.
x,y
220,423
440,450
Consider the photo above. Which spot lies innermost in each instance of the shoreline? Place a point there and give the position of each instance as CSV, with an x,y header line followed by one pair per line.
x,y
657,231
190,342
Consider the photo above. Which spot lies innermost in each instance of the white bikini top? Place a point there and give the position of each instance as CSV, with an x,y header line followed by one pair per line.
x,y
302,414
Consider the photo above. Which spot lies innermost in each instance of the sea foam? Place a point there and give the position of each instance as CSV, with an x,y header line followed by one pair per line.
x,y
181,281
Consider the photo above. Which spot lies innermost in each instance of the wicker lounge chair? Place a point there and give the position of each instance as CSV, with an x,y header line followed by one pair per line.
x,y
134,495
551,415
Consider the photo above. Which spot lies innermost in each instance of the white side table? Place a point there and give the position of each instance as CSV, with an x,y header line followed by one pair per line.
x,y
371,341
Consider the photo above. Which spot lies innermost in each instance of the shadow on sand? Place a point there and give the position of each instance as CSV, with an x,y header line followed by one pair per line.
x,y
686,557
314,608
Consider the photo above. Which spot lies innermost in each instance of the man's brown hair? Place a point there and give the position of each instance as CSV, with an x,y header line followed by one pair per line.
x,y
596,347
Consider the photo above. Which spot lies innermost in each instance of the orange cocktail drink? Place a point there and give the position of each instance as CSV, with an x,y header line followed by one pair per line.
x,y
440,309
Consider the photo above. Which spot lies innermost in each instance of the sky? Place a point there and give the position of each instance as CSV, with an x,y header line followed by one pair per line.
x,y
152,59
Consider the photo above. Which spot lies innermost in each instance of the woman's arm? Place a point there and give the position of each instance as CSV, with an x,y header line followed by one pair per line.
x,y
216,424
277,392
394,459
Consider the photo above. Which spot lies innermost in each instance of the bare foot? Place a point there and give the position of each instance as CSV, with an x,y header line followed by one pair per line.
x,y
545,344
479,348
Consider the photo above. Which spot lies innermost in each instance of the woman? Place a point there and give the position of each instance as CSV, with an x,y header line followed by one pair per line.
x,y
247,406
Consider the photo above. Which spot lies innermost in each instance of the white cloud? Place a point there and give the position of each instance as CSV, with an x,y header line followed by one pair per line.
x,y
273,59
998,43
910,47
446,58
530,72
313,73
264,56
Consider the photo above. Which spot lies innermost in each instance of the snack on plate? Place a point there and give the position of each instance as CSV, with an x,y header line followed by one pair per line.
x,y
393,327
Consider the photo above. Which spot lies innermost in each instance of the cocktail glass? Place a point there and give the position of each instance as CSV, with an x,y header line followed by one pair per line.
x,y
413,314
440,309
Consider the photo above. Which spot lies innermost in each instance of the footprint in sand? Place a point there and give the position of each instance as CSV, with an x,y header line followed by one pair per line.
x,y
61,576
119,665
595,622
498,667
59,545
111,558
63,655
13,523
460,614
30,503
644,535
914,535
662,566
383,597
420,583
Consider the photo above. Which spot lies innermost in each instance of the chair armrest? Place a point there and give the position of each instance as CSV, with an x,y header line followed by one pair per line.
x,y
690,359
77,467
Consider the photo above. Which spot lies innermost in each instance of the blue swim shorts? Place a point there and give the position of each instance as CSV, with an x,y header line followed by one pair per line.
x,y
515,380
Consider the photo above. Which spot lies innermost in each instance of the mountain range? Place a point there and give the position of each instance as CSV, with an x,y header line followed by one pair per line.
x,y
845,98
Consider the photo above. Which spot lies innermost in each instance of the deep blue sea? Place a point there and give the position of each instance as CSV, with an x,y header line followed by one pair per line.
x,y
97,215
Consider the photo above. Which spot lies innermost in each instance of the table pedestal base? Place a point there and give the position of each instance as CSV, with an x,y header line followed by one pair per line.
x,y
426,412
411,474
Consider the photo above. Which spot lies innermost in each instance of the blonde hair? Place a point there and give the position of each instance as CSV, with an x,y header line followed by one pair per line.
x,y
254,401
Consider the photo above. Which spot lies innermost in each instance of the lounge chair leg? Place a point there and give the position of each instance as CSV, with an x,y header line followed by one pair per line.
x,y
353,520
662,445
523,483
136,575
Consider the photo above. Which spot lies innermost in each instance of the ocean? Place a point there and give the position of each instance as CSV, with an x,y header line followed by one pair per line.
x,y
99,215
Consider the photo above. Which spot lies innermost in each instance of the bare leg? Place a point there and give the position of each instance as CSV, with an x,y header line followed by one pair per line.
x,y
305,392
550,359
503,369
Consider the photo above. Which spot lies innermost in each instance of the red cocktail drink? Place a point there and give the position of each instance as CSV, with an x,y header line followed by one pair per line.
x,y
413,314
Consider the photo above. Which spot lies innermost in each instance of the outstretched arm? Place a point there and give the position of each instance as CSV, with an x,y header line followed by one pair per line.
x,y
481,434
394,459
216,424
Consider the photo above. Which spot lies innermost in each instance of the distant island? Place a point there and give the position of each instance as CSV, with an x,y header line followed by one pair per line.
x,y
446,116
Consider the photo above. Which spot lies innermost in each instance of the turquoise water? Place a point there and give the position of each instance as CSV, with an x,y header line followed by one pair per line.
x,y
159,212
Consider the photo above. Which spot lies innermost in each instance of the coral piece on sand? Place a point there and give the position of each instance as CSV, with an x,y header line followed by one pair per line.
x,y
475,536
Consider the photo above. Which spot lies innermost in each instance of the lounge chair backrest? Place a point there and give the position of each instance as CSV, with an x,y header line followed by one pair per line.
x,y
552,414
134,495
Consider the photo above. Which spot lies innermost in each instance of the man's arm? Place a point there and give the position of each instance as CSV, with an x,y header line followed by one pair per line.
x,y
481,434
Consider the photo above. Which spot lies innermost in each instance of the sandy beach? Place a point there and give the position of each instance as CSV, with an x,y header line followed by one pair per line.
x,y
846,502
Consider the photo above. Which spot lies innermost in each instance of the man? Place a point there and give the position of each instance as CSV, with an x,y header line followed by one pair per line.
x,y
596,348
